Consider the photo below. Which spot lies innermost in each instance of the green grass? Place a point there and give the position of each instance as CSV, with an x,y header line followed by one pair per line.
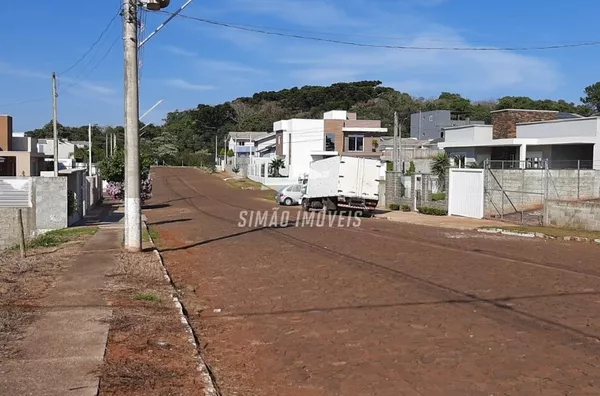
x,y
147,297
438,196
244,183
58,237
149,234
551,231
432,211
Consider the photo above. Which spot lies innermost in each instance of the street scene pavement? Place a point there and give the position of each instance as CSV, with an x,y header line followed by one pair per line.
x,y
384,308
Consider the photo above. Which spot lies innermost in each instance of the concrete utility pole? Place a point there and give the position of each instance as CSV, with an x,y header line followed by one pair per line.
x,y
55,123
90,150
106,144
216,149
395,152
133,223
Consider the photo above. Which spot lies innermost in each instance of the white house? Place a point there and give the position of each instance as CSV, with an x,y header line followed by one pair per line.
x,y
265,146
301,141
66,152
243,144
564,143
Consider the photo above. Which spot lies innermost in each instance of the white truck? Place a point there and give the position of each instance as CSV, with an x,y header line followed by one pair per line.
x,y
342,183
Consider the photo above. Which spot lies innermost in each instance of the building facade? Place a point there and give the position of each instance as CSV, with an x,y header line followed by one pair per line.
x,y
301,141
429,125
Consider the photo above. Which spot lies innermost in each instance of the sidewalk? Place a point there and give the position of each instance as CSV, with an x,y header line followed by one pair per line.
x,y
63,348
459,223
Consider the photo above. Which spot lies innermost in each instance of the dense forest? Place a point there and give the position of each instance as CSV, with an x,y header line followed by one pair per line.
x,y
189,135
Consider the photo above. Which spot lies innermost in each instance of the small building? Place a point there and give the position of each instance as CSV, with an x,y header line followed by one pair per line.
x,y
529,138
429,125
19,156
243,144
301,141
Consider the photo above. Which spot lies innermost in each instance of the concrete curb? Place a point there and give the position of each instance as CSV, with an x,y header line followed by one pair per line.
x,y
536,235
210,388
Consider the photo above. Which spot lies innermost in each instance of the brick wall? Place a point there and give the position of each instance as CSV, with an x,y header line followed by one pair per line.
x,y
505,121
583,215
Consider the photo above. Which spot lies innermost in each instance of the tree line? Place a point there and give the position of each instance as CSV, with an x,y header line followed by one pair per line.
x,y
188,136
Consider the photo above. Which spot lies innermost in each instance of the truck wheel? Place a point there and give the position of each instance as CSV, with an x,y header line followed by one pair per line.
x,y
305,205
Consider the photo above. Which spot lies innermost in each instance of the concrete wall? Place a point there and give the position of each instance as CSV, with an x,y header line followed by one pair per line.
x,y
577,127
511,190
579,215
471,133
50,203
9,226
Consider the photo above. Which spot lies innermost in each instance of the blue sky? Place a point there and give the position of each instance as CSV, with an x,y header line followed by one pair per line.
x,y
188,62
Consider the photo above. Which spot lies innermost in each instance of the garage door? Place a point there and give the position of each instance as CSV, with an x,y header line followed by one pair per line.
x,y
466,192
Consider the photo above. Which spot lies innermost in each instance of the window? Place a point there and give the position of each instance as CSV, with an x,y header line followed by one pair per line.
x,y
241,143
330,142
355,143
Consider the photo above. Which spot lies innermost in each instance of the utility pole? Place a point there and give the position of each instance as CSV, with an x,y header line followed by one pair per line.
x,y
400,153
55,123
216,149
133,223
395,153
90,150
106,144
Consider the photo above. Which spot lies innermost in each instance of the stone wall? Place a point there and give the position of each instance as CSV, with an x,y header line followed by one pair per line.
x,y
505,121
583,215
416,193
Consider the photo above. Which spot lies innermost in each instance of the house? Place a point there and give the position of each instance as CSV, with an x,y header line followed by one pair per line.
x,y
301,141
429,125
243,143
19,156
525,138
419,152
265,146
66,152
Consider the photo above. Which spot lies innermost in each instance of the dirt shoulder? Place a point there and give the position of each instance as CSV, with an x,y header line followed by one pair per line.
x,y
149,351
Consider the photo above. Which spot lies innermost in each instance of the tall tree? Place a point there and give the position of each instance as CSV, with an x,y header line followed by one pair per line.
x,y
592,96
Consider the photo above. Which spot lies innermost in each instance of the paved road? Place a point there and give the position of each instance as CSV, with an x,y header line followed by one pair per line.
x,y
382,309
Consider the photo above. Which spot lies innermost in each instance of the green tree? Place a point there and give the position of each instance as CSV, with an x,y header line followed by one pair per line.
x,y
592,96
275,166
439,167
411,168
112,169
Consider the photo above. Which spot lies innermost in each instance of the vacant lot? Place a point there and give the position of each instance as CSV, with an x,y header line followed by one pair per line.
x,y
386,308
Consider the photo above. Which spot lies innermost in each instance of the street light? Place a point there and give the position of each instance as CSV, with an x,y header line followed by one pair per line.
x,y
156,5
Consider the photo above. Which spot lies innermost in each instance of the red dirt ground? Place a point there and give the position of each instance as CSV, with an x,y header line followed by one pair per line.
x,y
383,309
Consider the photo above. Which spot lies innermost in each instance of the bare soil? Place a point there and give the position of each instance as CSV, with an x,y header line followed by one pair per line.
x,y
383,309
148,352
25,281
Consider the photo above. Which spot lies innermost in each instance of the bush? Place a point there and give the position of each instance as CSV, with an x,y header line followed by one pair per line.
x,y
236,169
432,211
411,168
438,196
406,208
394,206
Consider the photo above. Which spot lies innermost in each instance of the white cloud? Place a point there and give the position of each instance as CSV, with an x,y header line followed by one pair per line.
x,y
178,51
185,85
226,66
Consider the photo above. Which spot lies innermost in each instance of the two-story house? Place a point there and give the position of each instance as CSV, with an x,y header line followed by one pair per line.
x,y
301,141
19,156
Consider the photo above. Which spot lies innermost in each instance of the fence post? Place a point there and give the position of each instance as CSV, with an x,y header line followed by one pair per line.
x,y
578,178
21,232
545,197
523,195
502,193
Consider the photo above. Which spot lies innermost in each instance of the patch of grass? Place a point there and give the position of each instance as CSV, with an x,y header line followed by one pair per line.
x,y
58,237
244,184
394,206
149,234
147,297
432,211
438,196
551,231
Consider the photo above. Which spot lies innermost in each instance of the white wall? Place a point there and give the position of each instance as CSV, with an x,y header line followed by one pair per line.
x,y
336,115
265,143
578,127
471,133
65,150
306,136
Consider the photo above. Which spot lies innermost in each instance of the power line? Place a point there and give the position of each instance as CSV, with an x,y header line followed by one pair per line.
x,y
388,46
93,44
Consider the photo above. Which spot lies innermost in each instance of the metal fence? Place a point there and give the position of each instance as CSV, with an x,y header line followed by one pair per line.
x,y
518,190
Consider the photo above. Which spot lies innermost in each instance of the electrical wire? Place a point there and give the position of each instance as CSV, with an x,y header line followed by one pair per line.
x,y
272,32
93,44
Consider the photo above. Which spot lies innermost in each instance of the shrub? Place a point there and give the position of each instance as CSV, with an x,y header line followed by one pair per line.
x,y
432,211
406,208
394,206
236,169
438,196
411,168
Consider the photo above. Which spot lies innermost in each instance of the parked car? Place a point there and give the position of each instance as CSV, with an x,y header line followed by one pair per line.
x,y
289,195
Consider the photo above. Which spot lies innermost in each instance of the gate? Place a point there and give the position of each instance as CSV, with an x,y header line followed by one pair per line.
x,y
466,193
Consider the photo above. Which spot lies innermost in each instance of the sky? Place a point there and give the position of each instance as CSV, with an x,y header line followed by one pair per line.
x,y
189,62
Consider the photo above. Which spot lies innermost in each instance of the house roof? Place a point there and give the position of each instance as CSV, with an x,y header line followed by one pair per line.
x,y
527,110
248,135
267,136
